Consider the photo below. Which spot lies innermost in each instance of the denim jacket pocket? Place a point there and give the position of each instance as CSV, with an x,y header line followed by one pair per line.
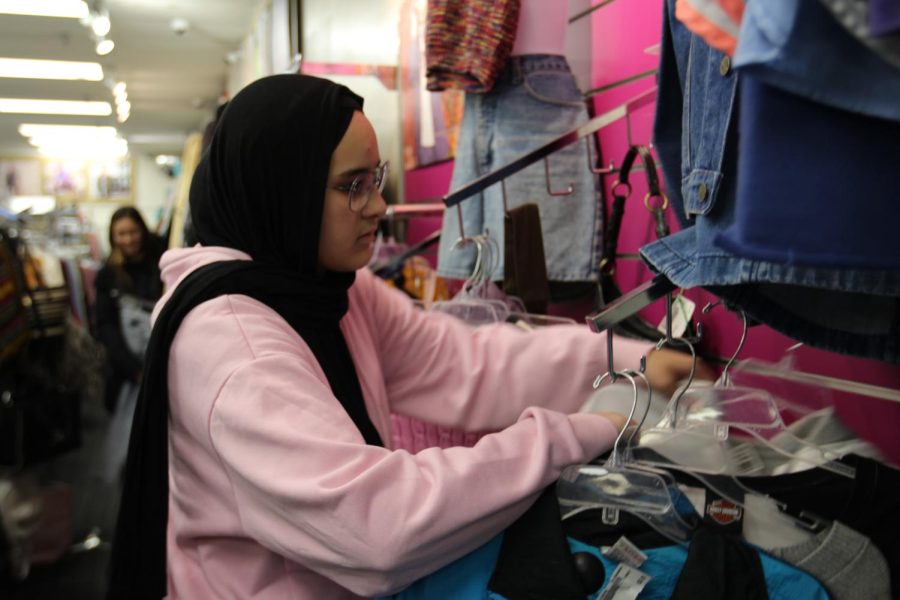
x,y
700,190
553,87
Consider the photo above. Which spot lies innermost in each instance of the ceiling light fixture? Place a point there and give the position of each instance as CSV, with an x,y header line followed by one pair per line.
x,y
75,140
37,130
84,148
100,23
74,9
54,107
25,68
105,46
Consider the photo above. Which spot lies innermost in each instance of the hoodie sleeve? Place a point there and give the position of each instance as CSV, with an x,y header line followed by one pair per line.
x,y
257,433
370,519
439,369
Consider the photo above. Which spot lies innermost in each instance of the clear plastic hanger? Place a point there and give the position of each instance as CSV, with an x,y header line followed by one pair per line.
x,y
480,302
717,410
472,304
699,449
615,485
663,445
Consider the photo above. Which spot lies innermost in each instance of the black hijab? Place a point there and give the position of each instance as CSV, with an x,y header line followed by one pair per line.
x,y
259,188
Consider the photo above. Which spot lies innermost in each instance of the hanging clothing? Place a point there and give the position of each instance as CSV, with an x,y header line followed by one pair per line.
x,y
535,100
538,558
716,22
845,561
797,46
849,310
875,23
232,405
467,42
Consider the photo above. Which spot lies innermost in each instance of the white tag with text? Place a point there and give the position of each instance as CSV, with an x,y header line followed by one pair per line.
x,y
624,551
625,584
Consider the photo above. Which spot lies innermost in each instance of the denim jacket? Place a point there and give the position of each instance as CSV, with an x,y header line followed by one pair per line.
x,y
853,311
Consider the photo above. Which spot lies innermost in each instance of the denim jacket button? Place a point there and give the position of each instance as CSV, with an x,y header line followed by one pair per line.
x,y
702,192
725,66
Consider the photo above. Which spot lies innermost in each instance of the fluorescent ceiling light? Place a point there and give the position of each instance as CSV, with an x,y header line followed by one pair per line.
x,y
75,9
100,24
104,148
104,47
119,89
54,107
77,141
32,130
123,108
27,68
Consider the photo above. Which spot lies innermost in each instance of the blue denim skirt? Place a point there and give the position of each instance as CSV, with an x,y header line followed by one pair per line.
x,y
534,101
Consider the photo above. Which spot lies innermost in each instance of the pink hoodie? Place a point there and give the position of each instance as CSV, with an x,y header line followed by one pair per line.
x,y
274,494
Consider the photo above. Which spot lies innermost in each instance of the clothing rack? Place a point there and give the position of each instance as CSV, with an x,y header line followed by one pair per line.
x,y
630,303
399,212
621,82
588,11
592,126
834,383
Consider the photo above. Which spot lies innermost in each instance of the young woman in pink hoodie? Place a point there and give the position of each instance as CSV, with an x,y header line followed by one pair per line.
x,y
260,464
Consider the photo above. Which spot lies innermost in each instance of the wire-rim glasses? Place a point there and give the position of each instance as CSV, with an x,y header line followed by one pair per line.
x,y
359,191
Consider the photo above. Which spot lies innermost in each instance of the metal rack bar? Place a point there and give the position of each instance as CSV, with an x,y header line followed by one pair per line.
x,y
592,126
588,11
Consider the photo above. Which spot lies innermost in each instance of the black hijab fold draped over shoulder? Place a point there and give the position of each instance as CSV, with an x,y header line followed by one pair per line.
x,y
259,188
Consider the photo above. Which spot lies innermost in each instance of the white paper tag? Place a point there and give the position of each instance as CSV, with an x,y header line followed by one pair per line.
x,y
682,311
624,551
625,584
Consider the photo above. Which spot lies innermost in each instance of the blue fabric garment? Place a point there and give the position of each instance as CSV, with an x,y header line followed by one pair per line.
x,y
783,581
467,578
797,45
822,206
464,579
534,101
848,310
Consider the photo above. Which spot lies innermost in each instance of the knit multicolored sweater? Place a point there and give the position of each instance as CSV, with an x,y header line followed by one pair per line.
x,y
467,42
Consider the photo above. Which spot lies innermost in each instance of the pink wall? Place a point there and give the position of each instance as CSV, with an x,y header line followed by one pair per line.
x,y
427,184
622,32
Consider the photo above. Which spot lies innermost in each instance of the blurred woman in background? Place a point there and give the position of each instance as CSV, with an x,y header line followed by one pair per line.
x,y
128,286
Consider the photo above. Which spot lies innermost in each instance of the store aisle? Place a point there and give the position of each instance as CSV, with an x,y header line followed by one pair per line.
x,y
80,574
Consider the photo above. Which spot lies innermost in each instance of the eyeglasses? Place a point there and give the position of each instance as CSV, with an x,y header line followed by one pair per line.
x,y
360,189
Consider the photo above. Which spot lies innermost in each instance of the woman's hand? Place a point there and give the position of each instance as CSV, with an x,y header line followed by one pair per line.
x,y
666,368
618,420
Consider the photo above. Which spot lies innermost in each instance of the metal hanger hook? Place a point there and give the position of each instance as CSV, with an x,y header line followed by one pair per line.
x,y
568,191
614,455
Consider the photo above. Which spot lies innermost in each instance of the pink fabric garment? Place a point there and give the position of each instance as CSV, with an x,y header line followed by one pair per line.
x,y
415,435
541,28
274,494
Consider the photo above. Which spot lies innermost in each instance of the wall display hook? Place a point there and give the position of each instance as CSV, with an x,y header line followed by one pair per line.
x,y
569,189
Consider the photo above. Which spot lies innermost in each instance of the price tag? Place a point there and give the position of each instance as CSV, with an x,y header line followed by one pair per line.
x,y
625,584
624,551
682,311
